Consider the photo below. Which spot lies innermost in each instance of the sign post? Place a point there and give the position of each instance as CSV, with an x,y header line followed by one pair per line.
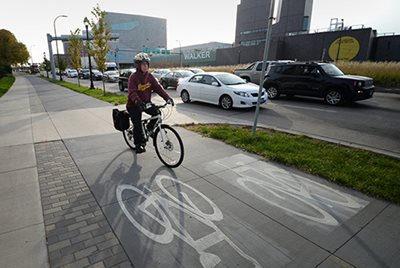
x,y
266,50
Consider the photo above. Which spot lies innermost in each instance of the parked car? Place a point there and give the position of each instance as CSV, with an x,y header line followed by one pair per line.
x,y
84,73
323,80
123,78
220,88
252,72
97,75
160,72
111,76
71,73
196,70
172,78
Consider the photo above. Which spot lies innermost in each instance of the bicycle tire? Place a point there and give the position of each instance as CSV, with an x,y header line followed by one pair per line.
x,y
128,137
166,151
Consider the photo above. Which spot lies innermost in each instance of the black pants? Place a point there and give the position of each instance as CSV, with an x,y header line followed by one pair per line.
x,y
136,117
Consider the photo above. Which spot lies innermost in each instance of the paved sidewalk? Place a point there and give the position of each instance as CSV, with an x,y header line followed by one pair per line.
x,y
73,195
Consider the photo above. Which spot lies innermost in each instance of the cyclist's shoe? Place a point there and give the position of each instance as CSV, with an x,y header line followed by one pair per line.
x,y
140,149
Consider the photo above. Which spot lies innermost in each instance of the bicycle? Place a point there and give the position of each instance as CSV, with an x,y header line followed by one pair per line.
x,y
166,140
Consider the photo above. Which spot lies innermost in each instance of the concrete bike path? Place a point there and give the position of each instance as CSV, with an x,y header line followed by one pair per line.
x,y
108,206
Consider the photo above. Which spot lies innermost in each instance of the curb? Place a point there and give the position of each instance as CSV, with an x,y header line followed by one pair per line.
x,y
387,90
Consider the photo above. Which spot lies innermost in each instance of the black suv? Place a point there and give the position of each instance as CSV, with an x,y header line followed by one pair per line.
x,y
84,74
123,78
322,80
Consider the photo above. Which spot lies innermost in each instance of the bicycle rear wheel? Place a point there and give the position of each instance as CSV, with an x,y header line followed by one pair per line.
x,y
169,146
128,137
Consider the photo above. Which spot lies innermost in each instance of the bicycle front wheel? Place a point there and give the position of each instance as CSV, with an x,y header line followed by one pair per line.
x,y
169,146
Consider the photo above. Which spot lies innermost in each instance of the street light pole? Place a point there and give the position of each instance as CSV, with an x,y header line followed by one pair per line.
x,y
180,53
340,41
86,22
55,36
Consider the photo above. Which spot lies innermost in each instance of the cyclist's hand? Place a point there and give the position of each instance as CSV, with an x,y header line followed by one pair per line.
x,y
142,106
171,101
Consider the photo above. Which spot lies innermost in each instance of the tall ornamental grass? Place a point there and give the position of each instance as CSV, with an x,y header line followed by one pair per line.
x,y
386,74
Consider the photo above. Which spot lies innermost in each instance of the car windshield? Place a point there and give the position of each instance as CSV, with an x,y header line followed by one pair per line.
x,y
332,70
186,73
230,79
196,71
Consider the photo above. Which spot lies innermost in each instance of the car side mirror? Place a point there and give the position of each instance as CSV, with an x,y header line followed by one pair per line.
x,y
215,84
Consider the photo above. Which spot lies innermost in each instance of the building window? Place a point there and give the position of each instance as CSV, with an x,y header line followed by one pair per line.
x,y
306,23
260,30
248,43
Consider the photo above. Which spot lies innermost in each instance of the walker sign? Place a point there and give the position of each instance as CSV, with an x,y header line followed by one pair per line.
x,y
194,57
197,55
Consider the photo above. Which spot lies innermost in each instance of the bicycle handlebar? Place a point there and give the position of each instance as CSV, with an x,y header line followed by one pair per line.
x,y
163,105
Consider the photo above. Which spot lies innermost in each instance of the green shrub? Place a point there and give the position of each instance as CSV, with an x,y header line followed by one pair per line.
x,y
5,83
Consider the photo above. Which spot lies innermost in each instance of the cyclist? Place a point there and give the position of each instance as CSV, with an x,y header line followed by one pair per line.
x,y
140,86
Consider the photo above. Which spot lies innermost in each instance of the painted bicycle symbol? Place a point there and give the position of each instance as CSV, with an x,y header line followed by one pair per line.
x,y
295,194
164,215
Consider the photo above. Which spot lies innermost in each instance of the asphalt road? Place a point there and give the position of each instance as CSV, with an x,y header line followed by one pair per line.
x,y
374,123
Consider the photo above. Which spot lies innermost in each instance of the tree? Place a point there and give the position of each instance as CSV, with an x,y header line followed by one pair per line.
x,y
46,65
75,50
101,36
62,65
11,52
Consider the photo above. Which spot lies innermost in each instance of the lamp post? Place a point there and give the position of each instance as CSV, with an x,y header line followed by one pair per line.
x,y
180,53
55,36
30,49
340,41
86,22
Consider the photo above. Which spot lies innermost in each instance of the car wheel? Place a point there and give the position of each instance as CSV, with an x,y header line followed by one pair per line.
x,y
333,97
164,84
121,87
273,92
185,96
226,102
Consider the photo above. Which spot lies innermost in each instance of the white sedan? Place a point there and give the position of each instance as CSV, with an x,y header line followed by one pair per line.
x,y
111,76
220,88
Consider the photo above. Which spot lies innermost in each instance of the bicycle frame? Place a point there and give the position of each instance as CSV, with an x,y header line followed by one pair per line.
x,y
156,125
159,122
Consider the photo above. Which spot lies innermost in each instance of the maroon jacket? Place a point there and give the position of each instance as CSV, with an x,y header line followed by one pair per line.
x,y
140,87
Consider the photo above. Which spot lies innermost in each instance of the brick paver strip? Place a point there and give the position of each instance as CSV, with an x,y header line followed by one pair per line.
x,y
77,232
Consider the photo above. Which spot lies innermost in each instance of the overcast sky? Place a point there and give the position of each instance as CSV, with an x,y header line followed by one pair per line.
x,y
191,22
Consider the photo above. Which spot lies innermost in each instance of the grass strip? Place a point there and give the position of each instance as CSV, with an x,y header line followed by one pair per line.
x,y
371,173
5,83
95,93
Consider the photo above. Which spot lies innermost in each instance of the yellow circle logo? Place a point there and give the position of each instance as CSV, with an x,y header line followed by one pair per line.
x,y
344,48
